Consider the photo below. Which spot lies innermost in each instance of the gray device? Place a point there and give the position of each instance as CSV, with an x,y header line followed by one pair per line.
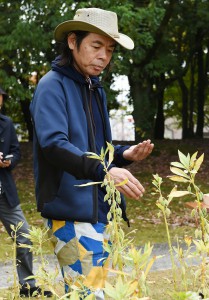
x,y
7,157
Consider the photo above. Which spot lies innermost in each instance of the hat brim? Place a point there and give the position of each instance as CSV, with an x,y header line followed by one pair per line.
x,y
64,28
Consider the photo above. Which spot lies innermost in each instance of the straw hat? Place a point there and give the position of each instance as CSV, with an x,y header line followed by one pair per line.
x,y
94,20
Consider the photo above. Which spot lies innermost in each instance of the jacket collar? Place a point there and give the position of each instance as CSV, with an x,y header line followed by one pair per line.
x,y
71,72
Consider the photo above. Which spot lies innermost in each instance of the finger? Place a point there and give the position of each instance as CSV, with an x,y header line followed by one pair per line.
x,y
131,192
139,148
146,147
126,191
151,147
143,145
142,149
133,189
136,188
145,142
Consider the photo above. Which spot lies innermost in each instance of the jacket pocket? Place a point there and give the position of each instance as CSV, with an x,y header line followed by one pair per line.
x,y
73,203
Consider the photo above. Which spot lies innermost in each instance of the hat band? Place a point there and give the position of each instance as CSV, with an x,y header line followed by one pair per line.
x,y
114,35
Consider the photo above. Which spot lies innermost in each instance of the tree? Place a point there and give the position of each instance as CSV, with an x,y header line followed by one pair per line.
x,y
171,52
26,38
192,57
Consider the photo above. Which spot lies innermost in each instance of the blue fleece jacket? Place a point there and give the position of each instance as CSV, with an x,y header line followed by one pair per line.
x,y
70,120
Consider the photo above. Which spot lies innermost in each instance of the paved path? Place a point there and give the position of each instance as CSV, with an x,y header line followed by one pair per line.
x,y
6,270
162,263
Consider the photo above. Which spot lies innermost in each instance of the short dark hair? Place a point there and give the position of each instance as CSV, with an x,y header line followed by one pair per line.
x,y
65,53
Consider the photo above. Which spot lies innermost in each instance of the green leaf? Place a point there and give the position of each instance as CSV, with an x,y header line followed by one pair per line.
x,y
158,178
175,194
155,184
173,190
93,156
178,178
193,172
122,182
109,290
177,164
179,172
198,162
111,149
74,296
167,211
160,206
184,159
193,159
12,227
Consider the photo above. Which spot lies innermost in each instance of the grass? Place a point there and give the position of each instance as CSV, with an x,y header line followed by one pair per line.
x,y
143,214
159,283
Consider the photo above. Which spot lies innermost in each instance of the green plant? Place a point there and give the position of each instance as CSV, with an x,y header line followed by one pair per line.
x,y
163,203
38,238
131,265
131,284
185,172
16,288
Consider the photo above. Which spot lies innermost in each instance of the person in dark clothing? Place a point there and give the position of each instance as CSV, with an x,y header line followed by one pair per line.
x,y
10,210
70,118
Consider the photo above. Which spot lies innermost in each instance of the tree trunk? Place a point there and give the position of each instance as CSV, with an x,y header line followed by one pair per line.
x,y
27,117
160,119
184,91
200,92
144,110
191,101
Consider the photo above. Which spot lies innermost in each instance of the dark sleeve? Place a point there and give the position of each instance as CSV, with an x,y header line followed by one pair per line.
x,y
14,147
82,167
119,161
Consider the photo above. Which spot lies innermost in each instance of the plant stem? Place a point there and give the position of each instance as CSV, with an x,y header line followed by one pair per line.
x,y
15,264
170,249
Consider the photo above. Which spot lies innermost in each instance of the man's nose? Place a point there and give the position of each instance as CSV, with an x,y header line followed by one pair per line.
x,y
103,54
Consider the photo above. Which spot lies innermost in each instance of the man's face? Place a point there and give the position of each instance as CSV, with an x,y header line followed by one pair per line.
x,y
94,54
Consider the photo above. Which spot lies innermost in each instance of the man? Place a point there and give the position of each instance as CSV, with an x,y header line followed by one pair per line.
x,y
70,118
10,210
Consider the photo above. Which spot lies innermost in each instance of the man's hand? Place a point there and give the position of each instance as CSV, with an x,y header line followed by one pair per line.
x,y
139,152
132,189
4,163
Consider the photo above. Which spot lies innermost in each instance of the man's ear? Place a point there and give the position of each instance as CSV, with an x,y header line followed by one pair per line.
x,y
71,41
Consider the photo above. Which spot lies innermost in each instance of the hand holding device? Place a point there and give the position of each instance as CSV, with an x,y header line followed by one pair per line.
x,y
7,157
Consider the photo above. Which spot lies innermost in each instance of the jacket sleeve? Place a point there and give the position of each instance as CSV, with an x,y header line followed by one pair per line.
x,y
14,147
79,165
119,160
